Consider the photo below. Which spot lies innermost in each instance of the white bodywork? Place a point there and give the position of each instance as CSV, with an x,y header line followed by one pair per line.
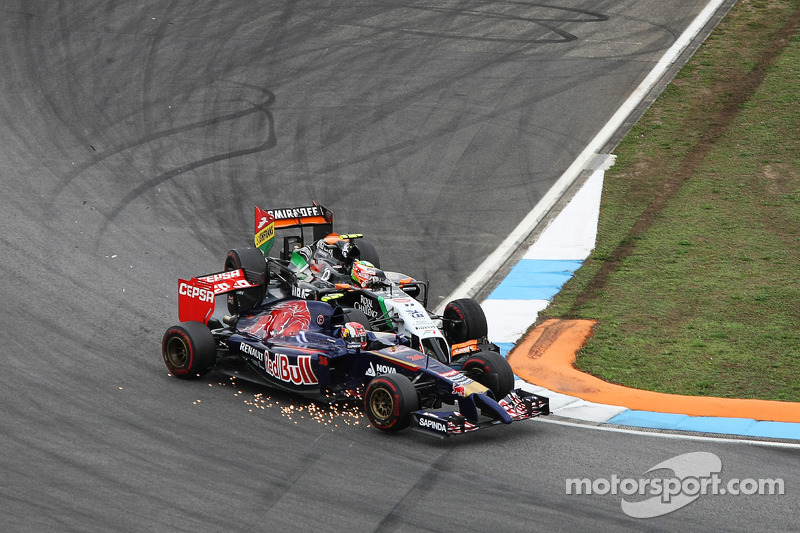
x,y
411,319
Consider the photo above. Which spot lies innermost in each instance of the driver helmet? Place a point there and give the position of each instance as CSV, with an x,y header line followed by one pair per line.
x,y
354,335
362,272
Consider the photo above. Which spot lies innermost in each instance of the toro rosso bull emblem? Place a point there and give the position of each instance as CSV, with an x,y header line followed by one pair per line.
x,y
287,319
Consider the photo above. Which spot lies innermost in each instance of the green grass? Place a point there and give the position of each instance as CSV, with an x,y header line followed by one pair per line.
x,y
707,302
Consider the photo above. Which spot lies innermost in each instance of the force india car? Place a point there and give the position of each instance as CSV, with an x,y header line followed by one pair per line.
x,y
390,301
314,349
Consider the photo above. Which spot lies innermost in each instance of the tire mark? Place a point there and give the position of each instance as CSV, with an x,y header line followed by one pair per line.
x,y
101,157
492,11
269,142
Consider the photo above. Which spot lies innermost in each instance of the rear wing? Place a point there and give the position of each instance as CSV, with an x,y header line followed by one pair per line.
x,y
315,217
196,296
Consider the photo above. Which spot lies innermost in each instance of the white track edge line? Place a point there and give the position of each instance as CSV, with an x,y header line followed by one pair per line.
x,y
496,259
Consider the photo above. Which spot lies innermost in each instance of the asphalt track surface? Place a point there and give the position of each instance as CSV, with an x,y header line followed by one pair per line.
x,y
135,139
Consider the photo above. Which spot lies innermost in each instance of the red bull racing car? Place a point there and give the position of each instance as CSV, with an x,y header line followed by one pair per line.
x,y
324,352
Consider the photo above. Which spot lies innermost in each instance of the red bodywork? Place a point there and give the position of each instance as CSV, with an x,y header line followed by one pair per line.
x,y
196,296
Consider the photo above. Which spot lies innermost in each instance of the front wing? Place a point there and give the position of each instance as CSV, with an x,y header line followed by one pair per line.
x,y
518,405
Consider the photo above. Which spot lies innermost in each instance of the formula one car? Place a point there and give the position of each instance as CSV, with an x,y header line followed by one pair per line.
x,y
315,349
345,268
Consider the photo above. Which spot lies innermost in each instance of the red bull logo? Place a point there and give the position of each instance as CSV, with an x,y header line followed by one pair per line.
x,y
281,368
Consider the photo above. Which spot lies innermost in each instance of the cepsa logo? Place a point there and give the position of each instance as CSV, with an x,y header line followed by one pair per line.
x,y
231,274
196,293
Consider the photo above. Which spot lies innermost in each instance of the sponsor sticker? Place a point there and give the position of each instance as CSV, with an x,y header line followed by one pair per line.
x,y
432,424
227,281
300,292
464,347
195,292
251,351
295,212
379,368
280,366
264,230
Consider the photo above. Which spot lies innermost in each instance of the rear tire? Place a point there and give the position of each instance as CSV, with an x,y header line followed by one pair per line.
x,y
491,370
464,320
367,252
389,401
357,315
252,260
189,350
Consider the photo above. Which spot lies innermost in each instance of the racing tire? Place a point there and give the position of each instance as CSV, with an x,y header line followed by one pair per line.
x,y
189,350
357,315
252,260
389,401
464,320
491,370
367,252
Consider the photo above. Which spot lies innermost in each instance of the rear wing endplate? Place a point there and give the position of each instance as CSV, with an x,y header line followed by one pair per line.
x,y
315,216
196,296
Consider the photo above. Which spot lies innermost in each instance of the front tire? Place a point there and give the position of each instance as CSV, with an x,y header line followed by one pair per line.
x,y
491,370
252,260
189,350
464,320
389,401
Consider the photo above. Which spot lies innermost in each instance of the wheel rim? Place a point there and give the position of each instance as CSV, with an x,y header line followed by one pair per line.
x,y
177,352
477,371
381,404
455,327
456,331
